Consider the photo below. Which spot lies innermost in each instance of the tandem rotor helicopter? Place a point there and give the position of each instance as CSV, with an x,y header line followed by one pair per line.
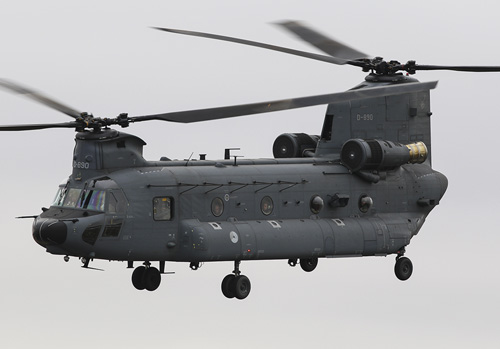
x,y
363,187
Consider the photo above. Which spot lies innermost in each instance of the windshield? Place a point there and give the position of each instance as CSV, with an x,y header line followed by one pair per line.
x,y
77,198
71,198
66,197
58,200
101,194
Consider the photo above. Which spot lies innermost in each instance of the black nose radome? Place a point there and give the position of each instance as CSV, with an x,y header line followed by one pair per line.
x,y
49,232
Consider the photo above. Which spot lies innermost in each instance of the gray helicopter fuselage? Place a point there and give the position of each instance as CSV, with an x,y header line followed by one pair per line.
x,y
202,210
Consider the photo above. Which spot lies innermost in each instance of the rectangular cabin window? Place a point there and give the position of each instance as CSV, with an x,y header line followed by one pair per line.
x,y
162,209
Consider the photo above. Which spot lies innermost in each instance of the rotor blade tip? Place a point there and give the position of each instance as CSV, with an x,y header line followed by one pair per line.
x,y
287,22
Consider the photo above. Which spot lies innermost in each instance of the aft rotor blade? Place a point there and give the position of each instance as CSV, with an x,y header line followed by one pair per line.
x,y
39,97
284,104
315,56
38,126
328,45
476,69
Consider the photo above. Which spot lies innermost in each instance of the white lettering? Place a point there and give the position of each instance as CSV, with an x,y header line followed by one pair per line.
x,y
364,117
81,165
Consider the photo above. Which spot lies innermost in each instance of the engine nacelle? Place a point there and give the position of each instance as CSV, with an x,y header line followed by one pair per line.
x,y
360,154
295,145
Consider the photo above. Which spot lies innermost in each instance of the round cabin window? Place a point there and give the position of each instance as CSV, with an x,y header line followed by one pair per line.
x,y
217,207
365,203
316,204
266,205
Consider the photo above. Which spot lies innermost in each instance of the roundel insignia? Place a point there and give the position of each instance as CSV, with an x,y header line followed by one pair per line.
x,y
234,237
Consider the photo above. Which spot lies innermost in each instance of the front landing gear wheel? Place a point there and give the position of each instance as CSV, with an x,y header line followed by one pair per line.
x,y
138,278
227,290
152,279
148,278
403,268
308,264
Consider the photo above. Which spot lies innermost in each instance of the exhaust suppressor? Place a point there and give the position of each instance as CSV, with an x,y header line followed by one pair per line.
x,y
360,154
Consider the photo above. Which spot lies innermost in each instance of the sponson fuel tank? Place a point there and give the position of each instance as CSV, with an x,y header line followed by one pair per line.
x,y
300,238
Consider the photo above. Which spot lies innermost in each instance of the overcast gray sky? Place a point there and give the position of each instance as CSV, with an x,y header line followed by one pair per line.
x,y
101,56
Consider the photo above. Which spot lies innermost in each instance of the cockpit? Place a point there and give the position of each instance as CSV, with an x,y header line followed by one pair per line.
x,y
95,209
100,196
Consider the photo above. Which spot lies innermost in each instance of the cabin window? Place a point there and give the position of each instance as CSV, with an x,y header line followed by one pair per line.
x,y
162,209
266,205
316,204
365,203
217,207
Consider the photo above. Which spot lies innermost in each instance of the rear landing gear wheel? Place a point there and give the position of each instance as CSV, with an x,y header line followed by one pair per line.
x,y
308,264
226,286
403,268
236,285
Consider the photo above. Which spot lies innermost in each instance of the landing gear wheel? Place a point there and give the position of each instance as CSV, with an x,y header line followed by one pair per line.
x,y
403,268
227,290
308,264
138,278
152,279
241,286
236,285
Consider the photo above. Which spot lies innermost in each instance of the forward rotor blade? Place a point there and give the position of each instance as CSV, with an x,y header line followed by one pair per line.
x,y
333,47
314,56
39,97
284,104
477,69
38,126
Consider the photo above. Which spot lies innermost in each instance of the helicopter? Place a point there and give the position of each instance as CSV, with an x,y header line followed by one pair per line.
x,y
362,187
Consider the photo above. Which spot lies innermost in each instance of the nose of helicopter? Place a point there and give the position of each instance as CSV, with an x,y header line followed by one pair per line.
x,y
49,232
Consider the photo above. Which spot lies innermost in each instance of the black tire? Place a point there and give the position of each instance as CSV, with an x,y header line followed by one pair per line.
x,y
152,279
403,268
138,278
227,282
241,286
308,264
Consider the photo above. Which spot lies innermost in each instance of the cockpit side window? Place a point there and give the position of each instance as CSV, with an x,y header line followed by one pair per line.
x,y
92,200
117,203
